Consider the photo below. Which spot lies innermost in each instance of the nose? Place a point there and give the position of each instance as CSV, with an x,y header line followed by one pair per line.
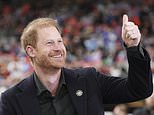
x,y
57,46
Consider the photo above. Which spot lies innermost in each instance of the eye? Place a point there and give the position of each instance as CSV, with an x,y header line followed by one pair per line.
x,y
60,41
50,42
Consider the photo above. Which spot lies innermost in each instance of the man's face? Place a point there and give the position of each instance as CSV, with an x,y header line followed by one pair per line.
x,y
50,49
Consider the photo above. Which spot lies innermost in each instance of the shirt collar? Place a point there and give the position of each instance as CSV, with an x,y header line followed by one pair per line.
x,y
41,88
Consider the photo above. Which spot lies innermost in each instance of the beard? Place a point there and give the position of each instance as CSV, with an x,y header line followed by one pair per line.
x,y
48,62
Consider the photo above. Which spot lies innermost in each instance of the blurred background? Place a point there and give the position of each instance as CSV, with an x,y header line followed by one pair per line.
x,y
92,34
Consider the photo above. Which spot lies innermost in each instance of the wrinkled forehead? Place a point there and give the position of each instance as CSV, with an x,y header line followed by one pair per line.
x,y
48,30
48,33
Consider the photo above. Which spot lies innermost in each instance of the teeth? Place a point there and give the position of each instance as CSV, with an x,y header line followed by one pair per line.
x,y
57,56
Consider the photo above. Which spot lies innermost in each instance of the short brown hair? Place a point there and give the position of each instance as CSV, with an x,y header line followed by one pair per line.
x,y
29,35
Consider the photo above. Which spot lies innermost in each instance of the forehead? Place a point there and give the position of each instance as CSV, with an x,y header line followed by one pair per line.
x,y
47,33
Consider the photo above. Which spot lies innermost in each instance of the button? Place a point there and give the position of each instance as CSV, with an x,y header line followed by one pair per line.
x,y
79,92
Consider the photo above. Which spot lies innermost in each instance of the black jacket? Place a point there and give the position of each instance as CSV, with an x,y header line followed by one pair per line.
x,y
98,89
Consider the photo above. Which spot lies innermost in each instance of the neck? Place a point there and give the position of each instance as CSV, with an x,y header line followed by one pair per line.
x,y
49,77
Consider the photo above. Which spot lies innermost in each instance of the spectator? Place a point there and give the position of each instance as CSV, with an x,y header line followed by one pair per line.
x,y
120,109
148,109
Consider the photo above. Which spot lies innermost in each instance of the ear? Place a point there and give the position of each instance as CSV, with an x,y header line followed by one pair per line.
x,y
30,51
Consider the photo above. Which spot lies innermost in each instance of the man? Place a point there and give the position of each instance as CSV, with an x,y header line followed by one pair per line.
x,y
55,90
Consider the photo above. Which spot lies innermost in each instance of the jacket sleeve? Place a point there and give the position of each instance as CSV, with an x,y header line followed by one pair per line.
x,y
138,84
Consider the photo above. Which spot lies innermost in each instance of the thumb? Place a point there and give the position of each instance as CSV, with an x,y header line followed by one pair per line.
x,y
125,19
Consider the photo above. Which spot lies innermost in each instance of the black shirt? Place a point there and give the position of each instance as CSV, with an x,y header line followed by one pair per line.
x,y
60,104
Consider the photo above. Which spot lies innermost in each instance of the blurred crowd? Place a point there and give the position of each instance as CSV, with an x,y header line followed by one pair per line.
x,y
91,32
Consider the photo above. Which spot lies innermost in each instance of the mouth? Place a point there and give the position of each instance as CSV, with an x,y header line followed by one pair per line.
x,y
58,56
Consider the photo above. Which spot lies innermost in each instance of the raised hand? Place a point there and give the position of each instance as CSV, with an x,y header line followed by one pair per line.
x,y
130,32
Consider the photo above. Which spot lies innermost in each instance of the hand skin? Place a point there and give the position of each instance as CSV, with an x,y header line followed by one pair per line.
x,y
130,32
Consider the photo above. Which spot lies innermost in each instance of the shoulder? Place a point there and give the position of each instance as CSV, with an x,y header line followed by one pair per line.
x,y
12,91
82,71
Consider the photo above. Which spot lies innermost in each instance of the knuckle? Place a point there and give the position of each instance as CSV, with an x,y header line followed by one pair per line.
x,y
131,23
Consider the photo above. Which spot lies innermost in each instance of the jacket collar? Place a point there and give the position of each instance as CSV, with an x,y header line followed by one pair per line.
x,y
77,89
76,84
27,98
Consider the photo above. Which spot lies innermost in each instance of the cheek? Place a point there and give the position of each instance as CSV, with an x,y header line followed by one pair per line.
x,y
65,52
63,47
41,53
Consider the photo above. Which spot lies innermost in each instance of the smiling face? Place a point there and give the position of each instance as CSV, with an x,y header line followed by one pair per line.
x,y
50,51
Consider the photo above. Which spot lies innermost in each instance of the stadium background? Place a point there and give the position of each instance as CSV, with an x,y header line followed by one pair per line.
x,y
91,30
